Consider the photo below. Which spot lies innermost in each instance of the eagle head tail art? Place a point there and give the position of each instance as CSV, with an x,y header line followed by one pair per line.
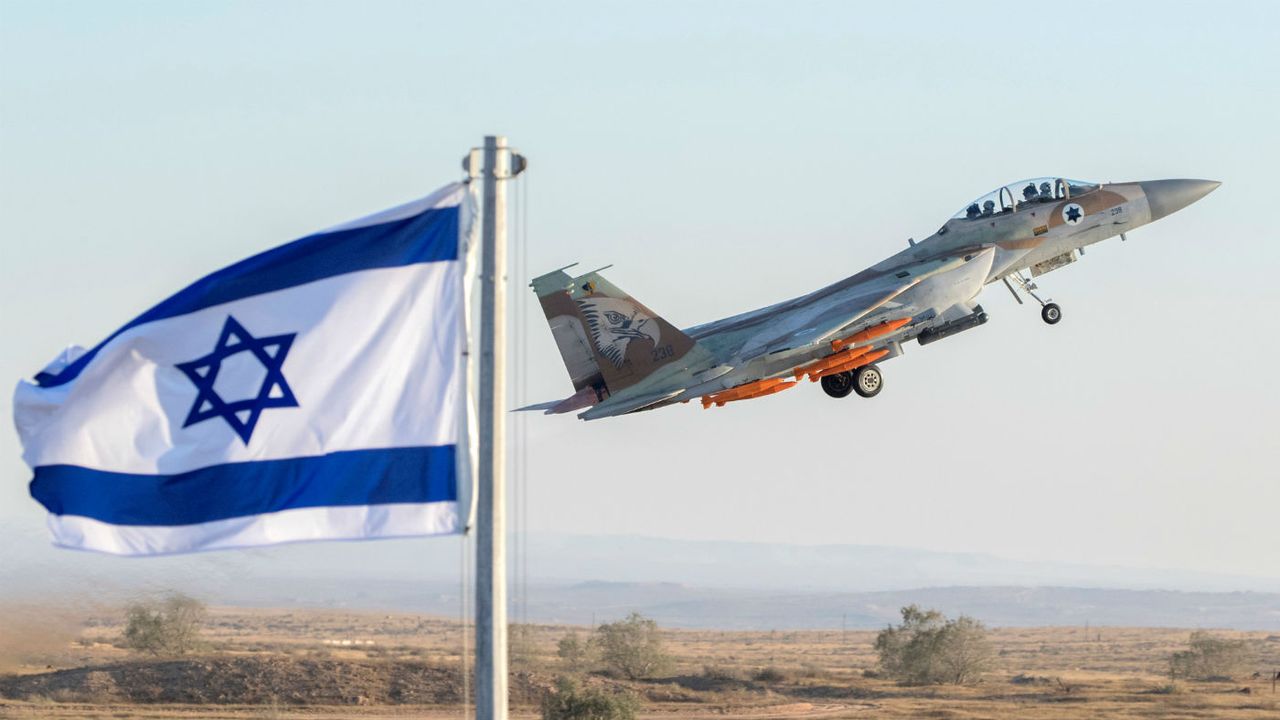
x,y
614,323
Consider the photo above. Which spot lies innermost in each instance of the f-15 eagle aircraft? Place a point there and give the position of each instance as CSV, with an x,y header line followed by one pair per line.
x,y
624,358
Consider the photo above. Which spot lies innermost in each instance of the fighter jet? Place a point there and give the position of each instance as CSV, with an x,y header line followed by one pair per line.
x,y
624,358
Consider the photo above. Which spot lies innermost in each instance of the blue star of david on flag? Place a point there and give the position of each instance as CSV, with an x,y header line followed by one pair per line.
x,y
242,414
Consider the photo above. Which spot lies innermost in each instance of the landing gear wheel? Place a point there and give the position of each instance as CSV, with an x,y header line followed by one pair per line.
x,y
838,385
867,381
1051,313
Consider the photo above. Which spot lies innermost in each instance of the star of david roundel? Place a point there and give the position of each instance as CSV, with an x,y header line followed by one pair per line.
x,y
1072,214
242,410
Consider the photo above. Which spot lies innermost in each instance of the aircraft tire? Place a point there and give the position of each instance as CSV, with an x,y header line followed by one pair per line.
x,y
867,381
838,385
1051,313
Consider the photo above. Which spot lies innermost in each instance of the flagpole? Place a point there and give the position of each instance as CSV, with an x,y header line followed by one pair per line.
x,y
498,165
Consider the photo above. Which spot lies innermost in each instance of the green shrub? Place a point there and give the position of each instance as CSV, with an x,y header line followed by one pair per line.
x,y
571,702
1210,658
928,648
577,655
169,626
632,648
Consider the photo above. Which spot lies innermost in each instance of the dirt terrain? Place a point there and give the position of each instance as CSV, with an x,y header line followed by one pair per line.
x,y
323,664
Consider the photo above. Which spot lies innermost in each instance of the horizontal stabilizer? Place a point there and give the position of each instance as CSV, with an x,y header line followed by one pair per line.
x,y
544,406
610,408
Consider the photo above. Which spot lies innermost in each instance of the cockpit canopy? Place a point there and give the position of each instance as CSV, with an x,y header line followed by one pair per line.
x,y
1024,193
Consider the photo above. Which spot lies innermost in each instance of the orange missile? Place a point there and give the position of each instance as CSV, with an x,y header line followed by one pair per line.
x,y
853,364
858,362
720,400
864,360
839,358
769,391
740,392
870,333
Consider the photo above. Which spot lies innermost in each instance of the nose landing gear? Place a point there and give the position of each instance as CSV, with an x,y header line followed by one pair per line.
x,y
1049,311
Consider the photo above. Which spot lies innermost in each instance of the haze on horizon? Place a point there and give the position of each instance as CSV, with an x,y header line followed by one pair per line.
x,y
722,158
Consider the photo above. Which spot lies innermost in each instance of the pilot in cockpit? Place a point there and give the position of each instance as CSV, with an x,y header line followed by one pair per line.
x,y
972,211
1046,192
1029,192
988,208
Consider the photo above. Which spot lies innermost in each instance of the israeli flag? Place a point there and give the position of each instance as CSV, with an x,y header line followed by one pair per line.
x,y
313,392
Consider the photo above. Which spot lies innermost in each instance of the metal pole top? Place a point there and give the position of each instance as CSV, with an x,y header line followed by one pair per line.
x,y
506,165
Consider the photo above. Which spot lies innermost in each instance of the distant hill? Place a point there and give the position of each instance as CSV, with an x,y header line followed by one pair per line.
x,y
678,606
851,568
675,605
578,579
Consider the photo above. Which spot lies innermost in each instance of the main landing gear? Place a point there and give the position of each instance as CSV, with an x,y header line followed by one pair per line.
x,y
838,385
866,381
1049,311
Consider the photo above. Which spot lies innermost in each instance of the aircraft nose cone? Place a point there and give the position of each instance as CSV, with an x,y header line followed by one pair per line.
x,y
1169,196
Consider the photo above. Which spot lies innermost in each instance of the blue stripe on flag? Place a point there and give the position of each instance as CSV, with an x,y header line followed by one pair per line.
x,y
431,236
356,477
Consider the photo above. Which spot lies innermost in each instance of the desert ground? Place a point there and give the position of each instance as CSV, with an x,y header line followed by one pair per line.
x,y
326,664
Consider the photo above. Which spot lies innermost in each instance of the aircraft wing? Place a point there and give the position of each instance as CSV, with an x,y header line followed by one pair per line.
x,y
824,318
824,323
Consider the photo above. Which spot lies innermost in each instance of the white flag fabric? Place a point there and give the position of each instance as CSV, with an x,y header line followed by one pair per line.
x,y
313,392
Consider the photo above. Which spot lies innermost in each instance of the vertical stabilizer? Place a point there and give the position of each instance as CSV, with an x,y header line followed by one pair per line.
x,y
608,340
554,293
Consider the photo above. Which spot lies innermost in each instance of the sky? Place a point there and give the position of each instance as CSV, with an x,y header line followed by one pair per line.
x,y
722,156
